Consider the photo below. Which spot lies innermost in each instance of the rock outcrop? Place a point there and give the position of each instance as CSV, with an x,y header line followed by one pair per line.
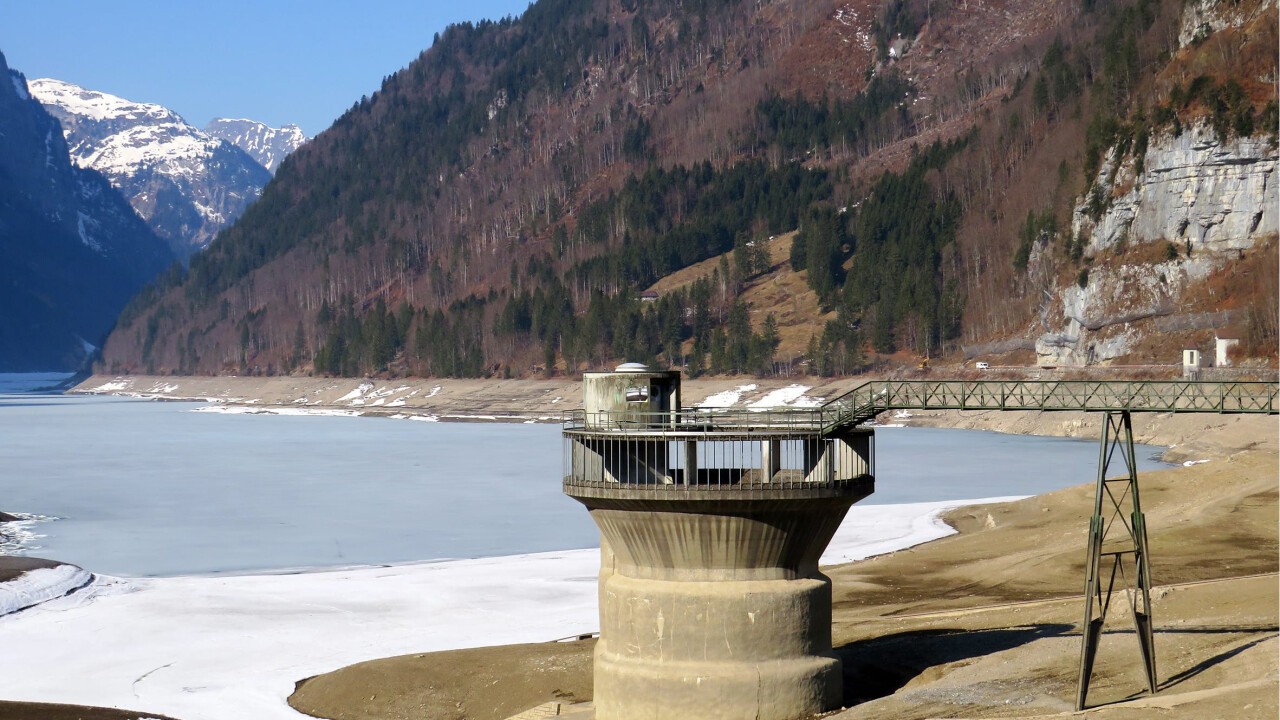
x,y
1212,198
1098,318
1194,188
1202,18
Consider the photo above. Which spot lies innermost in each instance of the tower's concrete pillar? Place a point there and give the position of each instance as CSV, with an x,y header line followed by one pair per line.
x,y
715,608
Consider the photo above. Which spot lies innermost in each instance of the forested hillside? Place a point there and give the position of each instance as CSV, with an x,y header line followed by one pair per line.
x,y
500,205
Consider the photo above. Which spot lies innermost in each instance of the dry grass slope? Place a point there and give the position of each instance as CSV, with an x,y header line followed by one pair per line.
x,y
780,291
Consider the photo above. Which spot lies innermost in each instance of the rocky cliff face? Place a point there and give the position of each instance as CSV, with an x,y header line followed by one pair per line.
x,y
1203,18
1195,188
186,184
265,144
1116,307
1212,199
72,251
1177,243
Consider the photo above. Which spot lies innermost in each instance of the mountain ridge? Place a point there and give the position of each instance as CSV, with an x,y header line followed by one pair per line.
x,y
186,183
268,146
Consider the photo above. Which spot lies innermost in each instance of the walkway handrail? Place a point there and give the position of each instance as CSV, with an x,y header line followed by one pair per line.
x,y
697,421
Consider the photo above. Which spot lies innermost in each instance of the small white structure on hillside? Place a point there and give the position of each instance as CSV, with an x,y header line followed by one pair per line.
x,y
1190,362
1223,344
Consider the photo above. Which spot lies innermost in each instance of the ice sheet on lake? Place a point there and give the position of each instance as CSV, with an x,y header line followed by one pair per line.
x,y
233,647
871,530
30,382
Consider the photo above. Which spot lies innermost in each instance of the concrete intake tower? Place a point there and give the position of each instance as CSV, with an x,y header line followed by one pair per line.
x,y
711,526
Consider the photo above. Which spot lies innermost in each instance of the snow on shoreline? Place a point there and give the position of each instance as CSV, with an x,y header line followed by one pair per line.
x,y
338,412
294,411
370,398
40,585
233,646
18,537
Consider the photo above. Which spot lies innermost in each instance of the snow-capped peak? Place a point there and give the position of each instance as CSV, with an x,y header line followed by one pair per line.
x,y
264,143
120,138
94,105
186,183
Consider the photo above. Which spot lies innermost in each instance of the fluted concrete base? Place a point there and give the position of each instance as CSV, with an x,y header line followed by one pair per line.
x,y
757,649
716,609
777,690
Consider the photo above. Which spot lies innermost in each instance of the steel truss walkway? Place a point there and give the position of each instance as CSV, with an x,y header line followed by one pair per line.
x,y
1117,523
866,401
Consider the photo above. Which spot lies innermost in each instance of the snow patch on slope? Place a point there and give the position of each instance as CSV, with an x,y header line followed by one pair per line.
x,y
847,16
19,85
726,398
48,150
86,225
96,105
790,396
170,148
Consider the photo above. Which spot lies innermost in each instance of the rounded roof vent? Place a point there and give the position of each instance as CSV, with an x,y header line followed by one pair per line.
x,y
632,367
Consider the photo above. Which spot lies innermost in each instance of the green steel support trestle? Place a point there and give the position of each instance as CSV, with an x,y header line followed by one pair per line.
x,y
1121,554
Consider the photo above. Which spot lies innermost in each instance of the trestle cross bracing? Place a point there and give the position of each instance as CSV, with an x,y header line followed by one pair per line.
x,y
1117,550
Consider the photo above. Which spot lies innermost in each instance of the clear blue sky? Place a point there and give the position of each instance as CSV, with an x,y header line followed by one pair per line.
x,y
277,61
